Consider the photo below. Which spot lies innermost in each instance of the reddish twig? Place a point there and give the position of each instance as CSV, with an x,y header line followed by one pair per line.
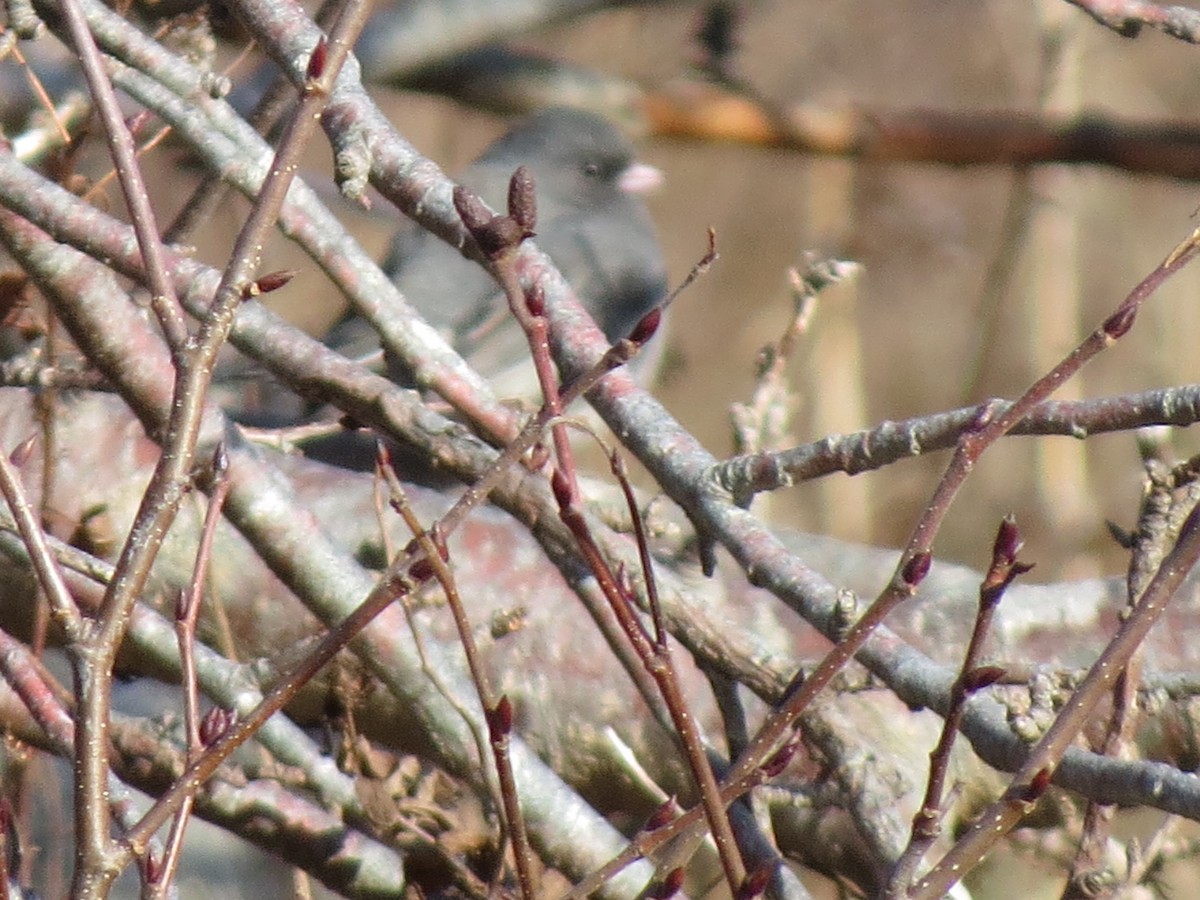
x,y
916,558
656,655
120,143
1170,494
187,612
972,677
991,423
497,711
1033,777
62,605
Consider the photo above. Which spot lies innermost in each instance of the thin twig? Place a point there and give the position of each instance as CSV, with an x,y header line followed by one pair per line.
x,y
120,144
927,823
497,710
1033,777
657,658
187,613
916,558
50,577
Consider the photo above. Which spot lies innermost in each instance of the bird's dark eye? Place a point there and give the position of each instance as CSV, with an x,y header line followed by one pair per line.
x,y
591,170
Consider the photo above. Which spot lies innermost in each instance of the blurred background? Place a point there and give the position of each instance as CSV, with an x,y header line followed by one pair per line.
x,y
976,278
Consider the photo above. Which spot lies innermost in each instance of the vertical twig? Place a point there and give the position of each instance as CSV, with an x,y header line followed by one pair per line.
x,y
187,612
120,144
926,827
497,711
656,656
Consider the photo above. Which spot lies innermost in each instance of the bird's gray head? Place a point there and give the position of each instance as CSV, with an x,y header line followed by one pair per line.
x,y
577,157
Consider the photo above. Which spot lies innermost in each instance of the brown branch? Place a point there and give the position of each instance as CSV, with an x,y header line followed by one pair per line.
x,y
702,112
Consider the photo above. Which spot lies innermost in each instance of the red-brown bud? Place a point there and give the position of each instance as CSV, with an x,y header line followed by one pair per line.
x,y
1118,324
665,813
1037,787
916,568
220,461
535,300
779,760
668,887
318,59
438,536
23,451
421,570
494,234
563,494
983,676
273,281
646,327
500,717
1008,542
522,201
215,723
152,867
471,209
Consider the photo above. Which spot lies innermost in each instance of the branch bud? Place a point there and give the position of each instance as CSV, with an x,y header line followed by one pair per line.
x,y
522,201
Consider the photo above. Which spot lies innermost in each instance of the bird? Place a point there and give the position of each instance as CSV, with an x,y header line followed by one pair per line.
x,y
592,221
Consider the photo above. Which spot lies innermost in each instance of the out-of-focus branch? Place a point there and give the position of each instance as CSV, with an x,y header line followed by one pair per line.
x,y
702,112
503,79
405,36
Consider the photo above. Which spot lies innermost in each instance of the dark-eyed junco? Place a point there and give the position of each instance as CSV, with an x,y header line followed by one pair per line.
x,y
591,222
